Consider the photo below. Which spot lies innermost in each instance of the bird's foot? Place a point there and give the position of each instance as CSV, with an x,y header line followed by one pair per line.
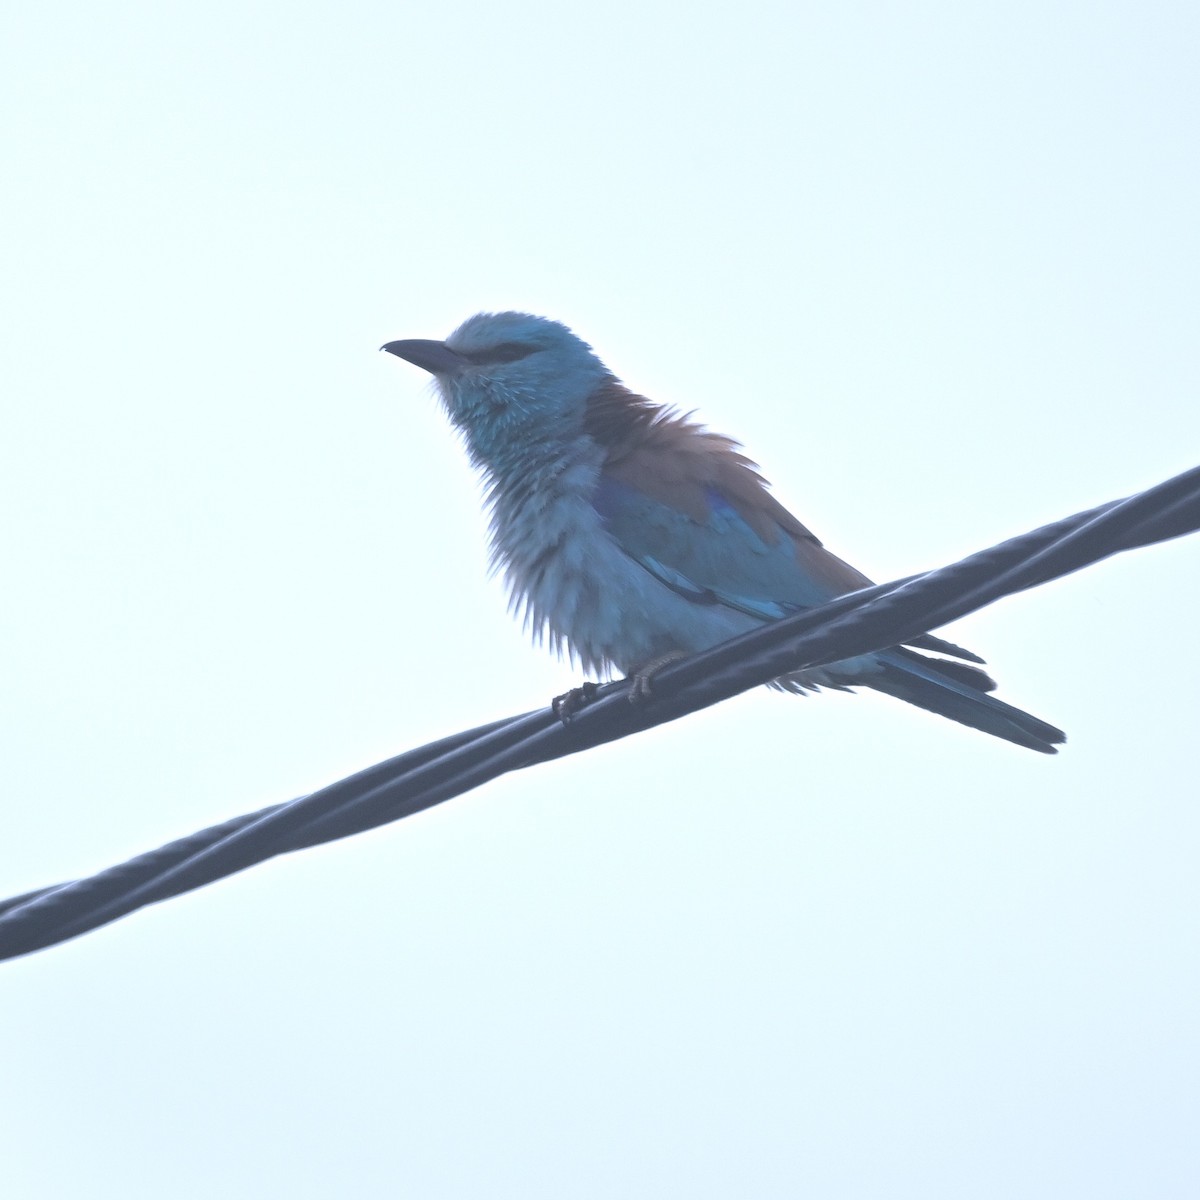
x,y
642,678
569,703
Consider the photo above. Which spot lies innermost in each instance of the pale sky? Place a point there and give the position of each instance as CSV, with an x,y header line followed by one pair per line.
x,y
934,264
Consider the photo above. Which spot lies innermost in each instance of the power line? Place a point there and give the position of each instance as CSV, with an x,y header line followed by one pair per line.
x,y
864,621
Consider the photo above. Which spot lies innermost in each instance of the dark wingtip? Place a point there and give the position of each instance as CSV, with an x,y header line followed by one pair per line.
x,y
940,646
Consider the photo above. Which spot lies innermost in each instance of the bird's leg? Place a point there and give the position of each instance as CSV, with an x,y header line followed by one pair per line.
x,y
569,703
644,675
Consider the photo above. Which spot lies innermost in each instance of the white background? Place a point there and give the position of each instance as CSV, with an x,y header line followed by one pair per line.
x,y
935,264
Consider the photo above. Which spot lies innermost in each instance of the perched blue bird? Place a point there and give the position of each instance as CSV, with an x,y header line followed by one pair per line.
x,y
634,535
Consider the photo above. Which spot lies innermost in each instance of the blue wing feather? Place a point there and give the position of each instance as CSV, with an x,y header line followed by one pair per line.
x,y
720,560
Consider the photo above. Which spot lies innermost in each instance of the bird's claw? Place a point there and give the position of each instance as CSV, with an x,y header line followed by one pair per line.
x,y
569,703
641,680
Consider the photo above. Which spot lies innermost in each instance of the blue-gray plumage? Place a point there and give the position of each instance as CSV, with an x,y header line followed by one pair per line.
x,y
630,534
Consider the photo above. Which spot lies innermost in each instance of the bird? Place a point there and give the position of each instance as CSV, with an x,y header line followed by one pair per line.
x,y
629,534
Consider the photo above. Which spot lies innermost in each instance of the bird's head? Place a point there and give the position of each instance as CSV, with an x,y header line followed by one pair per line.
x,y
510,380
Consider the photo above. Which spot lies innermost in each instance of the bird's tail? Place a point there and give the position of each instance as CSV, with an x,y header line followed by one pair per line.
x,y
959,691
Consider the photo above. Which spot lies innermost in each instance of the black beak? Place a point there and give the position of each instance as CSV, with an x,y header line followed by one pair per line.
x,y
435,357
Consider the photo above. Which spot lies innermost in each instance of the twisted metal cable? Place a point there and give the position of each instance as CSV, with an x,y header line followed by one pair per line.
x,y
858,623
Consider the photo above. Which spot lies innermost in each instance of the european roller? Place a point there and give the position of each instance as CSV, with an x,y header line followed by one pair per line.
x,y
632,535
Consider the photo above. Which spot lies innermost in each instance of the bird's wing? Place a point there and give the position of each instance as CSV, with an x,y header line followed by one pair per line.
x,y
700,518
693,511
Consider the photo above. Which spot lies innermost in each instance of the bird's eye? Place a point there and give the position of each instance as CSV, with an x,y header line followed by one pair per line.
x,y
505,352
